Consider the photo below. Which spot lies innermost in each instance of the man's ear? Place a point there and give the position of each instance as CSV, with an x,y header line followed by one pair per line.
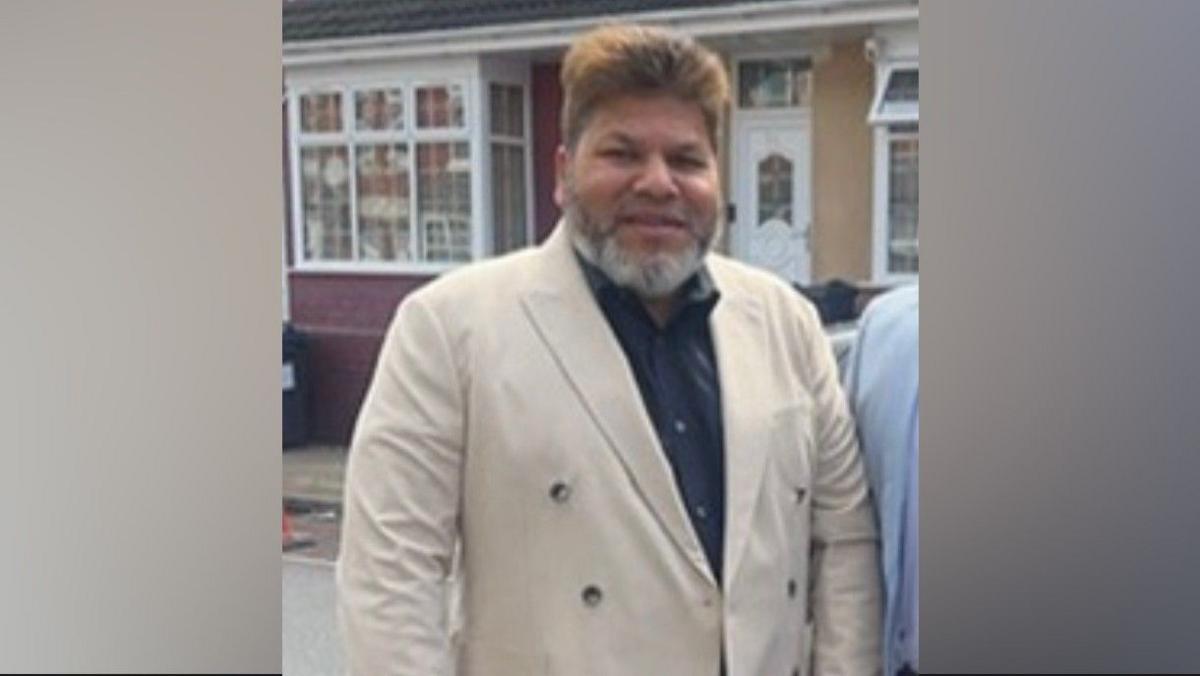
x,y
562,160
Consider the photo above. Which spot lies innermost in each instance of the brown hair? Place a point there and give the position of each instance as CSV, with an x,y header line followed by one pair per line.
x,y
617,59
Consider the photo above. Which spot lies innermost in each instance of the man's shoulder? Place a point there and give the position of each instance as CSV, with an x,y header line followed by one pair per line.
x,y
900,299
894,310
744,277
764,287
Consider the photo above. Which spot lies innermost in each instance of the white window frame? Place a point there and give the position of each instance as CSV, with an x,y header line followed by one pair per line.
x,y
881,121
349,138
892,113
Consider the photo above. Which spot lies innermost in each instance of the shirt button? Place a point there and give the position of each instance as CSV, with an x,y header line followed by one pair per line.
x,y
560,492
592,596
791,588
680,426
701,512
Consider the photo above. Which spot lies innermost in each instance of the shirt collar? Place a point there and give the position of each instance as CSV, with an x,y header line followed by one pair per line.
x,y
699,289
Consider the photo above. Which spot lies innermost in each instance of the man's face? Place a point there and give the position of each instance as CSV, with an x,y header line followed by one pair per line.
x,y
640,190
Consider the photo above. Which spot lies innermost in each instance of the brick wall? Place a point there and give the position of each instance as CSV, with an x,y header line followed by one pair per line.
x,y
345,317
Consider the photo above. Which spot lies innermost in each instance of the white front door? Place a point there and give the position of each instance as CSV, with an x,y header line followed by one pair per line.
x,y
771,193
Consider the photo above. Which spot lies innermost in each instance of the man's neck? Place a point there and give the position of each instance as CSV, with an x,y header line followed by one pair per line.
x,y
659,309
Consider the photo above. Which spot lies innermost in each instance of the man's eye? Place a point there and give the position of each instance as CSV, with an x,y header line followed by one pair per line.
x,y
691,162
617,153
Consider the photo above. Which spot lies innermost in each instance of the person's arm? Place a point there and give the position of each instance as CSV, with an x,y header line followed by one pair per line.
x,y
400,521
846,589
852,383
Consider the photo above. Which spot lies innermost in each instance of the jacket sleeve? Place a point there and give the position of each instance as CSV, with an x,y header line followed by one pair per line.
x,y
845,578
401,507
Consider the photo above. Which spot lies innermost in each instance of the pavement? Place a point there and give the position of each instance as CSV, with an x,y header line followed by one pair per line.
x,y
311,644
313,474
312,500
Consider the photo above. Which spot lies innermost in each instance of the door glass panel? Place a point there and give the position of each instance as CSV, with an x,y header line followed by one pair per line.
x,y
774,189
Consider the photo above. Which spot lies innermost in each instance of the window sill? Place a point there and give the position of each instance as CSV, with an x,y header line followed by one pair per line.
x,y
351,268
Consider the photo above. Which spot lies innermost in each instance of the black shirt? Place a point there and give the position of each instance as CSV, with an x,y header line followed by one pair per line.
x,y
676,371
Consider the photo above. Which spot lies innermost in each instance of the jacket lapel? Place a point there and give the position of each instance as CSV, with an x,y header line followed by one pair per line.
x,y
740,341
565,314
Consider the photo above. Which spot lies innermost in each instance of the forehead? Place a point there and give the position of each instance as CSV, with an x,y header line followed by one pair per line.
x,y
653,119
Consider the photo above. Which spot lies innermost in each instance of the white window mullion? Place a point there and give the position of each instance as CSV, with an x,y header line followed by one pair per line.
x,y
414,238
475,99
527,144
879,232
348,121
297,181
411,133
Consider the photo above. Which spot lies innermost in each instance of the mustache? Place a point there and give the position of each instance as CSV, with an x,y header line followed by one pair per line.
x,y
680,221
633,207
678,216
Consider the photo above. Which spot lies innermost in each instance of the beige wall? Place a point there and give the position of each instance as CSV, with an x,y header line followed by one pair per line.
x,y
842,164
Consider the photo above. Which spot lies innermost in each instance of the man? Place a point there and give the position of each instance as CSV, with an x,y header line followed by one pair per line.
x,y
642,449
882,383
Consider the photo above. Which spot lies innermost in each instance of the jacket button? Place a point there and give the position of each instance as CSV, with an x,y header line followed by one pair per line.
x,y
592,596
560,492
791,587
796,672
800,493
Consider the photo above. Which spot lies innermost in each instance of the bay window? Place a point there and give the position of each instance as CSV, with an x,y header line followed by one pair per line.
x,y
385,174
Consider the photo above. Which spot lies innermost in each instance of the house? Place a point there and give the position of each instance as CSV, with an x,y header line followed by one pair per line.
x,y
420,135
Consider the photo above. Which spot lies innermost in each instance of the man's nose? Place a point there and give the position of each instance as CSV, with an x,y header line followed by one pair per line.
x,y
656,180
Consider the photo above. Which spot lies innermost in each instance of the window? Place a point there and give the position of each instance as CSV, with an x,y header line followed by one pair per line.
x,y
444,201
507,132
326,203
379,110
902,199
383,203
896,96
440,107
895,115
363,153
779,83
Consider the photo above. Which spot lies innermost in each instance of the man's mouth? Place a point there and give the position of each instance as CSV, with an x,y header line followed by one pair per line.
x,y
653,221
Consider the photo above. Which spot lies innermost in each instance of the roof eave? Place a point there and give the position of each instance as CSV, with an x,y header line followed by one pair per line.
x,y
701,22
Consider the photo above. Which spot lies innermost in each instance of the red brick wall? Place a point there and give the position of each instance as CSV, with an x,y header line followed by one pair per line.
x,y
547,103
345,317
